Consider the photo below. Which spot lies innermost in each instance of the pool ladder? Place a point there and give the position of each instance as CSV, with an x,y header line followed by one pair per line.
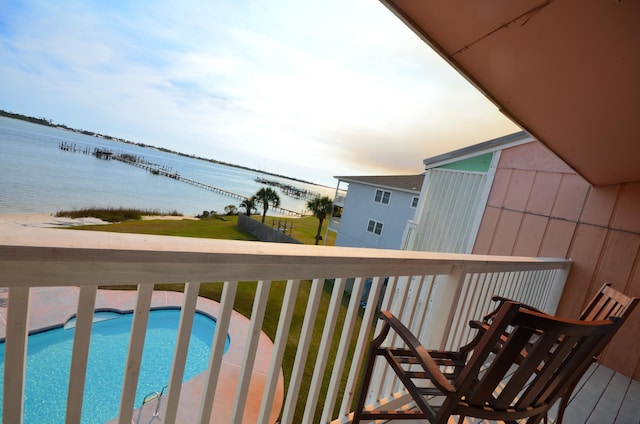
x,y
148,398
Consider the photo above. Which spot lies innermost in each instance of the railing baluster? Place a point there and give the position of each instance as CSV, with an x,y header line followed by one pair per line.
x,y
280,344
343,349
361,347
323,351
306,333
134,357
400,304
380,373
257,317
15,354
217,350
426,287
180,353
425,295
80,355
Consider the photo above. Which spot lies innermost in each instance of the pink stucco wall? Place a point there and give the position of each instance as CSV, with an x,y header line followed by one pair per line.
x,y
538,206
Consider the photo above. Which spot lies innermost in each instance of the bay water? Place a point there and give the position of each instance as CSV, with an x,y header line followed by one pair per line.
x,y
36,176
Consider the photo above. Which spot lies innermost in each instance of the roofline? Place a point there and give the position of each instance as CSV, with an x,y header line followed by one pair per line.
x,y
353,179
510,140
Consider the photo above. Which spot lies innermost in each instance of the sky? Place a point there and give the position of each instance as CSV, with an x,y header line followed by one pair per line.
x,y
309,89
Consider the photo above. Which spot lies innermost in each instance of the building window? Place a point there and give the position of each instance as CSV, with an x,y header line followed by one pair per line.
x,y
374,227
414,202
382,196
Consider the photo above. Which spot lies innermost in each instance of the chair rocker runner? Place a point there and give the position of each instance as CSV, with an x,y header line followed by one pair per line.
x,y
520,366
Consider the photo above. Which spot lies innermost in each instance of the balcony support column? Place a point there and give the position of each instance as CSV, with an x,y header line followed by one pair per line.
x,y
559,279
442,308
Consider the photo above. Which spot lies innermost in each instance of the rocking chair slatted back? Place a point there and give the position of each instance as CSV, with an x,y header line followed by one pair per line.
x,y
541,357
608,302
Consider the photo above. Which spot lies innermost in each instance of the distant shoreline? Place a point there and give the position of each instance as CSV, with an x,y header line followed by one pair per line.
x,y
49,123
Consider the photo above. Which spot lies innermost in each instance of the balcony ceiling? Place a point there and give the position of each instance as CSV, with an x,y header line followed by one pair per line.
x,y
567,71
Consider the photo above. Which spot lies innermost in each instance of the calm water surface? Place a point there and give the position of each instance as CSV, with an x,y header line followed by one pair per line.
x,y
49,364
37,177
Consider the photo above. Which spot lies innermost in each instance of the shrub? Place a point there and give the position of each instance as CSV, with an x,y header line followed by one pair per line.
x,y
112,214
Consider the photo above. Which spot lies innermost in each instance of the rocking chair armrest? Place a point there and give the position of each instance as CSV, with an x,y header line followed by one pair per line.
x,y
501,300
421,353
482,327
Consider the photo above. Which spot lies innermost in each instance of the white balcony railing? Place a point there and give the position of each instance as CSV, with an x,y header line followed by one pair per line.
x,y
435,294
334,224
339,198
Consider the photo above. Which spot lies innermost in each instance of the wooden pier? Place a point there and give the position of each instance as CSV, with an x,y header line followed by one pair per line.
x,y
212,188
289,190
164,171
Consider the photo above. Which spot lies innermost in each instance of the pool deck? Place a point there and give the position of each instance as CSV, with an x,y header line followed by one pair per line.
x,y
53,306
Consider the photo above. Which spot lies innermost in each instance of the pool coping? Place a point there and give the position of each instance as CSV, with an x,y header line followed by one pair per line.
x,y
53,306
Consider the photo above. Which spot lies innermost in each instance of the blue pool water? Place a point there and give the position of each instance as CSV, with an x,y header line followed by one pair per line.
x,y
49,360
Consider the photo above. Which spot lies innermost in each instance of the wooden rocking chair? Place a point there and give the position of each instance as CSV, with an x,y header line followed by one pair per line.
x,y
520,366
605,304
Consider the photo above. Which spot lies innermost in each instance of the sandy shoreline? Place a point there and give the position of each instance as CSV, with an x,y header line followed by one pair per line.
x,y
43,220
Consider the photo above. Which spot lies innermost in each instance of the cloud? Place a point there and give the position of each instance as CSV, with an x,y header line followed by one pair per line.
x,y
314,88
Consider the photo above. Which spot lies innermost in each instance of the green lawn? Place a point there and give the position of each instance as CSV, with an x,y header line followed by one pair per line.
x,y
217,228
304,229
220,227
244,303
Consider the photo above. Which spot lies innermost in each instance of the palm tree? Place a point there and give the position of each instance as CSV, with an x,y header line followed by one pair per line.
x,y
321,207
267,196
249,205
231,210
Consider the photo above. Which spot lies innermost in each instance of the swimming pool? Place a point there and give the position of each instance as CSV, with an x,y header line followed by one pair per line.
x,y
49,360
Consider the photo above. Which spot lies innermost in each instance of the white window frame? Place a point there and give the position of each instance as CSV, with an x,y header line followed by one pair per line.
x,y
375,227
381,196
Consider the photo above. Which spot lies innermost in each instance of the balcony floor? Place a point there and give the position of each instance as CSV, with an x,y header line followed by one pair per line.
x,y
603,397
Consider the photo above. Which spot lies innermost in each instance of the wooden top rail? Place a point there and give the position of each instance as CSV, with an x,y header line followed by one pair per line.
x,y
48,257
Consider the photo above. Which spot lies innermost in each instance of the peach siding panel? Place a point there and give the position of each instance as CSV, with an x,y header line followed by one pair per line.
x,y
487,228
506,233
543,193
530,236
622,352
499,187
619,259
557,239
632,327
616,267
571,197
627,212
519,189
597,227
585,253
600,204
535,157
